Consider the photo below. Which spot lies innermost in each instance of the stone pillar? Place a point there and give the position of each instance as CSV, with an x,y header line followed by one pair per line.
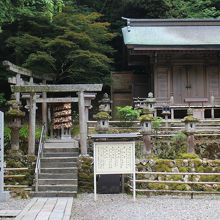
x,y
82,123
44,108
3,194
191,143
32,124
18,83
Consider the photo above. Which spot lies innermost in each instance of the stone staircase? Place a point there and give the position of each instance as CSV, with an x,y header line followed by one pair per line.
x,y
58,170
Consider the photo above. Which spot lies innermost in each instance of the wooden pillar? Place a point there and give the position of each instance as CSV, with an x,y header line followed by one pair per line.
x,y
44,108
82,123
32,123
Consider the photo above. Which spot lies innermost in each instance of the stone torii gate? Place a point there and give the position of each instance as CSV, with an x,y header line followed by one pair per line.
x,y
79,88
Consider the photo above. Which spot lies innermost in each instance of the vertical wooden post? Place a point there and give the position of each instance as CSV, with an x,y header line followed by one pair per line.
x,y
44,108
32,123
82,123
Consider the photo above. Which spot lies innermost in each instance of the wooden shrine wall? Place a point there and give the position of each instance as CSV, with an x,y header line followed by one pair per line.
x,y
196,77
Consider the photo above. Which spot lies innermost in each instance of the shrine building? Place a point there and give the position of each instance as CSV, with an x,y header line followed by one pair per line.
x,y
180,63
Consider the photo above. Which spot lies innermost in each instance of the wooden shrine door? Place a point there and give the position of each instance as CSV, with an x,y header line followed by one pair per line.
x,y
188,82
213,81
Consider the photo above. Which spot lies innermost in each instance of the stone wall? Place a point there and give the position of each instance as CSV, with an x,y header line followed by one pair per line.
x,y
179,165
85,174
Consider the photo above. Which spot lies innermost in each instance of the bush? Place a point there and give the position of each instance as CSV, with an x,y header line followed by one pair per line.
x,y
127,113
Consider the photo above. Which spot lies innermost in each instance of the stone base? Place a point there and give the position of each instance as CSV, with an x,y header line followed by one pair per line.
x,y
4,196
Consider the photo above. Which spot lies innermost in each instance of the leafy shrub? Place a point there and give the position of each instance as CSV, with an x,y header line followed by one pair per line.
x,y
156,123
7,137
127,113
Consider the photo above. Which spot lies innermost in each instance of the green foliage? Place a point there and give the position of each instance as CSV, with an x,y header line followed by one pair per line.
x,y
2,99
7,137
73,45
156,123
24,133
127,113
193,9
179,139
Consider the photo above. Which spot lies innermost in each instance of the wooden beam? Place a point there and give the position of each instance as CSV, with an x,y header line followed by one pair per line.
x,y
58,88
23,71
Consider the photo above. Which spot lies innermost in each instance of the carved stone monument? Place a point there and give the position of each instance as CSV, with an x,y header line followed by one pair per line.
x,y
3,194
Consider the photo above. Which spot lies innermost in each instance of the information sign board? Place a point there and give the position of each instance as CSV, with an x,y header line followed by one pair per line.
x,y
114,158
3,194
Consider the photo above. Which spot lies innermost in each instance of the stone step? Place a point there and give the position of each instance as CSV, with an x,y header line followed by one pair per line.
x,y
59,159
61,149
61,154
54,194
57,181
60,187
58,176
49,164
62,170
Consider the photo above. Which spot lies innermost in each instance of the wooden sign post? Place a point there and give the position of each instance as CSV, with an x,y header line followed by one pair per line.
x,y
3,195
114,158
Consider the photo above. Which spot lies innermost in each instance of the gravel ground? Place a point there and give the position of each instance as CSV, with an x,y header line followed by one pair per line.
x,y
122,207
14,204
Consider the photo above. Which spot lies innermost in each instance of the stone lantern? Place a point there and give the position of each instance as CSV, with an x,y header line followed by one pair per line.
x,y
150,102
146,130
146,122
103,116
14,115
190,127
166,112
190,121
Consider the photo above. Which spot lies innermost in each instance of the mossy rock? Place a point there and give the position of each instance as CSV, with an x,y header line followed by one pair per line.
x,y
183,187
197,162
183,169
179,163
169,163
174,177
188,156
162,168
157,186
207,178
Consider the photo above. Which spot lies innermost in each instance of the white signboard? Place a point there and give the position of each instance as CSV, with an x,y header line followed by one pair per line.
x,y
3,194
114,157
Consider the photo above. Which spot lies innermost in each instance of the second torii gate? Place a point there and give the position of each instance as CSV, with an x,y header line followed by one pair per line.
x,y
79,88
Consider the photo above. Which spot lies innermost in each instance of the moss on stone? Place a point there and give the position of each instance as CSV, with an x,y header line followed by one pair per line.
x,y
158,186
162,168
188,156
102,116
183,169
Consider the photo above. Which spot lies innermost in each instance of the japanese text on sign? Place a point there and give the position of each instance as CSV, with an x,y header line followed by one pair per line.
x,y
114,157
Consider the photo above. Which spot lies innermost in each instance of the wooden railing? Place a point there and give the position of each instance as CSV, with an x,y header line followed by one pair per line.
x,y
39,156
191,192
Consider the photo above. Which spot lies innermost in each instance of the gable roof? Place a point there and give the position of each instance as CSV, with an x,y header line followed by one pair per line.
x,y
172,32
